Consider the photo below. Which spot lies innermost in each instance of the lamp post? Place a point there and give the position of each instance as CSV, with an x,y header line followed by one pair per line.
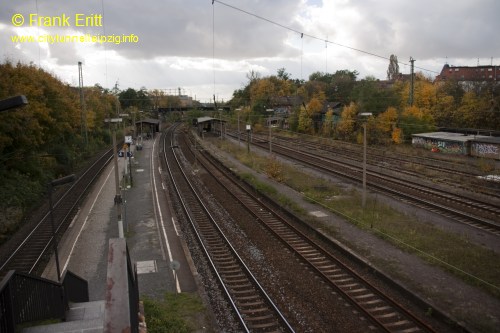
x,y
363,201
118,197
52,184
220,117
249,128
270,129
238,112
364,115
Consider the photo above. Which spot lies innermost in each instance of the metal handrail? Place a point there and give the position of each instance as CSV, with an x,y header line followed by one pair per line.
x,y
76,289
26,298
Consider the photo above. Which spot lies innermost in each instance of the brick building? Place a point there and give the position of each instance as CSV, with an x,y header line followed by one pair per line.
x,y
470,74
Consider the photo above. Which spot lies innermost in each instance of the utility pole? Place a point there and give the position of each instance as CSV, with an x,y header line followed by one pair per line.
x,y
118,196
363,201
238,110
410,99
270,138
82,104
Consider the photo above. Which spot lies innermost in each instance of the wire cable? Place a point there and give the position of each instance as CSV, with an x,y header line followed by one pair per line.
x,y
213,44
312,36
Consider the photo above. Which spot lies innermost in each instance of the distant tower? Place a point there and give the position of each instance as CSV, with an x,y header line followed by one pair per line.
x,y
412,78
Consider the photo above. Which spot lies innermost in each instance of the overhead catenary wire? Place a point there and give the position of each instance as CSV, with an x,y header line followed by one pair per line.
x,y
213,46
104,45
302,34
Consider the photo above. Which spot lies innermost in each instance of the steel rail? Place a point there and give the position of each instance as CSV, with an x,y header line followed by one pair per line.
x,y
233,302
308,249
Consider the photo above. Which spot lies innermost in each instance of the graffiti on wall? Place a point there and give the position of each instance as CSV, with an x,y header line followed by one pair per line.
x,y
447,147
485,149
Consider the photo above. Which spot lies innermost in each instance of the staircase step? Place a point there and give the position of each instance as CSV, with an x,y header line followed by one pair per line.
x,y
81,318
88,310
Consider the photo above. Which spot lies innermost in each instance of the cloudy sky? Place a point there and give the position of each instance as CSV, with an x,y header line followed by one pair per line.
x,y
208,49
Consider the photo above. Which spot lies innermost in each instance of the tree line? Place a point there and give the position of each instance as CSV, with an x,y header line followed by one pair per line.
x,y
451,104
54,135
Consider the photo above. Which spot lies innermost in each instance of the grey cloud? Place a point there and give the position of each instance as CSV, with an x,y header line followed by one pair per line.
x,y
428,29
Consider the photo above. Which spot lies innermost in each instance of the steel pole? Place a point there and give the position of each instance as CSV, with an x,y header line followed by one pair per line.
x,y
118,197
363,202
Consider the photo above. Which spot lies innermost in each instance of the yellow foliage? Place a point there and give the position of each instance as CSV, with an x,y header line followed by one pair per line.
x,y
387,119
314,106
305,124
425,95
327,128
397,135
274,169
345,127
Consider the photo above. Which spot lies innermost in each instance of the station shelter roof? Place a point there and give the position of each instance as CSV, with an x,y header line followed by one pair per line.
x,y
208,119
154,123
459,137
203,119
148,121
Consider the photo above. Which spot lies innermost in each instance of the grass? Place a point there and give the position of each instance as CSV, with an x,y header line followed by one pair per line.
x,y
455,253
177,313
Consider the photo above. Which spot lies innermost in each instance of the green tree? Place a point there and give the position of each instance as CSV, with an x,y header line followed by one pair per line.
x,y
138,98
393,70
372,96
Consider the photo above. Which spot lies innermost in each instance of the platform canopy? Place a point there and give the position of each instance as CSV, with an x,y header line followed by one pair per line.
x,y
149,122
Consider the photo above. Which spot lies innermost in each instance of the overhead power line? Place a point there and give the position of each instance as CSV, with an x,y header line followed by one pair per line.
x,y
302,34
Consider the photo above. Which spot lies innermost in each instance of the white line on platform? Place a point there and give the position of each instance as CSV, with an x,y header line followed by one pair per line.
x,y
161,217
85,222
175,227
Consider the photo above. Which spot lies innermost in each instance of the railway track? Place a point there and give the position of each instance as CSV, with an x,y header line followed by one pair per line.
x,y
402,164
385,314
475,213
30,252
254,309
353,152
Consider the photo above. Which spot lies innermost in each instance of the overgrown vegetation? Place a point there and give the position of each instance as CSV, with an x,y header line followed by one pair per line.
x,y
179,313
50,137
453,252
43,140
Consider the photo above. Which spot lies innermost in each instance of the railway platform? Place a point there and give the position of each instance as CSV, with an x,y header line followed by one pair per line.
x,y
149,228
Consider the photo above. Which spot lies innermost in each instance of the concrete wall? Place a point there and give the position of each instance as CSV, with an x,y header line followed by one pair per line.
x,y
442,146
485,149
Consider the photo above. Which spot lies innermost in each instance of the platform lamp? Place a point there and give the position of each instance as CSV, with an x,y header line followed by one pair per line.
x,y
52,184
249,128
